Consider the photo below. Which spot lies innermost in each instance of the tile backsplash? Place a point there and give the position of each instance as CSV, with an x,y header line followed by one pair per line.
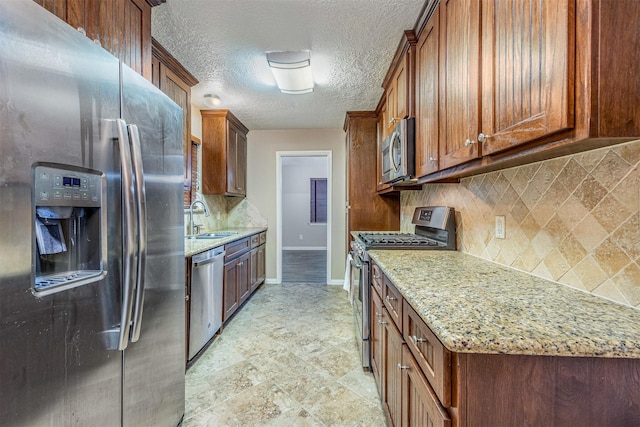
x,y
225,212
574,219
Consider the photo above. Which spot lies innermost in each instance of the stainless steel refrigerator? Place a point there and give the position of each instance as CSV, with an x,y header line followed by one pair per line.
x,y
91,233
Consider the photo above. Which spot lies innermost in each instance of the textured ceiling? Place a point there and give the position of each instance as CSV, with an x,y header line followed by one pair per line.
x,y
223,44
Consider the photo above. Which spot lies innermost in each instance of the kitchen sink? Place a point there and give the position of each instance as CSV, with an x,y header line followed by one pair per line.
x,y
217,235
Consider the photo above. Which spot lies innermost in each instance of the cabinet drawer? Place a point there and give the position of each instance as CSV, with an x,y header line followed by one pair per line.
x,y
392,300
234,249
432,357
420,405
255,241
376,277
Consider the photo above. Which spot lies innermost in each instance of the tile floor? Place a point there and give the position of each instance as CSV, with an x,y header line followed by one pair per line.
x,y
288,358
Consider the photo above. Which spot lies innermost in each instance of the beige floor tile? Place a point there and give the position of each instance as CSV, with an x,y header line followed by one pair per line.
x,y
288,358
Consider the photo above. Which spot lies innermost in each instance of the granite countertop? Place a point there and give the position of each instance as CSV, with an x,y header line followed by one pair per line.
x,y
476,306
195,246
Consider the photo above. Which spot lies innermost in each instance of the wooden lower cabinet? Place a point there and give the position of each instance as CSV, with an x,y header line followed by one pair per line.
x,y
424,384
420,405
244,271
236,284
391,374
377,310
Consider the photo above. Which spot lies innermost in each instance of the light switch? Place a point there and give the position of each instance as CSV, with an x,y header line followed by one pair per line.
x,y
501,227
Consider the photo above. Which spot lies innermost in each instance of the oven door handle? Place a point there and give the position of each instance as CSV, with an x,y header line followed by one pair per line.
x,y
354,261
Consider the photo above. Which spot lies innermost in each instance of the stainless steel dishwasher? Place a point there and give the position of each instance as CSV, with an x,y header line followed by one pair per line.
x,y
205,318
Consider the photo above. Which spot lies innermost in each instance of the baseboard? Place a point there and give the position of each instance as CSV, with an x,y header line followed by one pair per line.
x,y
332,282
304,248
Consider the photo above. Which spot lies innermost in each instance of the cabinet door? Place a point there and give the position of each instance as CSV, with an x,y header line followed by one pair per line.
x,y
427,94
376,337
392,107
180,92
527,69
123,27
262,259
400,83
232,158
236,161
230,290
241,163
459,80
253,262
391,374
420,405
243,277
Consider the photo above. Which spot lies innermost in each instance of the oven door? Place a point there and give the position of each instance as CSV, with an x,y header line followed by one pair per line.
x,y
361,304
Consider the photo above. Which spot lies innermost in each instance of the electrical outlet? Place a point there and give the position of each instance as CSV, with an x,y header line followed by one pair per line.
x,y
501,227
300,237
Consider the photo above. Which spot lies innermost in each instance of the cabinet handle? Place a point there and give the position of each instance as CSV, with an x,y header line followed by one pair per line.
x,y
416,340
392,121
401,367
432,159
378,314
382,322
469,142
483,138
390,298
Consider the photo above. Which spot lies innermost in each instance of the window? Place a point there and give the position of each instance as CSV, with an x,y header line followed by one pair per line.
x,y
318,200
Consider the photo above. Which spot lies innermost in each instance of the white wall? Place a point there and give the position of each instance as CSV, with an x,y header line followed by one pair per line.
x,y
261,184
297,231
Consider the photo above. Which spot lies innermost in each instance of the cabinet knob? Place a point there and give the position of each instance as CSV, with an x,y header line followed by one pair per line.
x,y
401,366
483,138
469,142
416,340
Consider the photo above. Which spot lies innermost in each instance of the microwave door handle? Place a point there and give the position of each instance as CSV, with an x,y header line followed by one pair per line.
x,y
396,167
141,201
128,234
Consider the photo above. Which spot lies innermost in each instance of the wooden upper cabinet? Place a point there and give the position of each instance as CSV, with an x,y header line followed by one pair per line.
x,y
237,160
176,82
427,96
366,209
123,27
224,154
528,71
459,81
399,83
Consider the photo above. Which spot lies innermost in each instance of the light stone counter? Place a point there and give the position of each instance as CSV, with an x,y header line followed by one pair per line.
x,y
476,306
195,246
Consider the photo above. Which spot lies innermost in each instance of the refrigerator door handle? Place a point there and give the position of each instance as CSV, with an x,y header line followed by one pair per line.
x,y
136,157
128,234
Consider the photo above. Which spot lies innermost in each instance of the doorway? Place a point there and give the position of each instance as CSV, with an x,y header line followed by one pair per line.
x,y
303,216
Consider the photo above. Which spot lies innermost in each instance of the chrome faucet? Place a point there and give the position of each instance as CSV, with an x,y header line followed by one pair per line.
x,y
206,213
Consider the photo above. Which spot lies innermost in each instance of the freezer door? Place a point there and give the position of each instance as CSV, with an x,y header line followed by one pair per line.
x,y
154,365
58,94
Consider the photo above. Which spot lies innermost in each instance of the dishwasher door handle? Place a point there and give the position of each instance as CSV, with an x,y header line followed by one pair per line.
x,y
209,260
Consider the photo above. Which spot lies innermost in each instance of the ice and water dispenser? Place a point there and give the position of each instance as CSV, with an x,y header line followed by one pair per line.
x,y
70,226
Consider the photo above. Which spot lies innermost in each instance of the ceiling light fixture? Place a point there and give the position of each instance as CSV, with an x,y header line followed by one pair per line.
x,y
211,100
292,71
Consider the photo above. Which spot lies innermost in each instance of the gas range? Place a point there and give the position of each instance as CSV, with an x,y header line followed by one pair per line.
x,y
434,229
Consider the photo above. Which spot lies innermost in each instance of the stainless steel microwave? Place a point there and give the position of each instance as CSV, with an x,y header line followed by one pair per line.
x,y
398,152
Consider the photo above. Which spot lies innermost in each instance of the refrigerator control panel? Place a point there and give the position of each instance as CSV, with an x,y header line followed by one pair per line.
x,y
63,187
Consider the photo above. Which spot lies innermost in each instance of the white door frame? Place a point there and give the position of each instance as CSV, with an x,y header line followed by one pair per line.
x,y
310,153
